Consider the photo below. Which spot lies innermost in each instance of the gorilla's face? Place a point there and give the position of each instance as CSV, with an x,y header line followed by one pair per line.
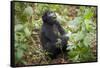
x,y
49,17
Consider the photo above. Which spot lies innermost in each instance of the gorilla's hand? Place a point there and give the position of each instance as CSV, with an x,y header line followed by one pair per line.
x,y
64,39
58,41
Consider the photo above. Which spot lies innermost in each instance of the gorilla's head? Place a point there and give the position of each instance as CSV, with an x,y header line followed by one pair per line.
x,y
49,17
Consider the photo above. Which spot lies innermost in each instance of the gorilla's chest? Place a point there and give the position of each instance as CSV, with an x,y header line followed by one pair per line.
x,y
51,30
55,30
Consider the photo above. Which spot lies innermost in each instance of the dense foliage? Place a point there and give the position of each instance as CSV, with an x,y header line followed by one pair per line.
x,y
78,21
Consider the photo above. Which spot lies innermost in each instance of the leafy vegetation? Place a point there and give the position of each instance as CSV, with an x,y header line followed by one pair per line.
x,y
78,21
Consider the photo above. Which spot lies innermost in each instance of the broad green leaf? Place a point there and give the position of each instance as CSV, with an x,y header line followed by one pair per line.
x,y
78,36
75,22
18,27
28,11
88,27
76,58
16,45
72,54
81,35
23,46
87,40
27,32
24,62
74,25
88,24
19,54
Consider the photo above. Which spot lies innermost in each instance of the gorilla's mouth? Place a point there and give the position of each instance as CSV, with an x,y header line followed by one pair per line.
x,y
54,18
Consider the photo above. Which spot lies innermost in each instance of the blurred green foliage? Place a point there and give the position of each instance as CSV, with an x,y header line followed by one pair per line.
x,y
78,21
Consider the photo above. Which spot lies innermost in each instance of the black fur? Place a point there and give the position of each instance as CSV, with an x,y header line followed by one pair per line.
x,y
51,31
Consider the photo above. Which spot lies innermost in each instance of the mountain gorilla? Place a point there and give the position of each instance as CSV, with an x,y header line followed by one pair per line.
x,y
52,34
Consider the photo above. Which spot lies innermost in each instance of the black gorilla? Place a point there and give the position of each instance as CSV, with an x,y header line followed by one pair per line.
x,y
52,34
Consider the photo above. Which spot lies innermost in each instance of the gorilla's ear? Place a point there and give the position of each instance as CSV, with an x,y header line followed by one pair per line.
x,y
44,17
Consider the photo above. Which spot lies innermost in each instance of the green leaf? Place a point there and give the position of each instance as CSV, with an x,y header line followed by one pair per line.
x,y
78,36
27,32
72,54
88,25
88,13
18,27
87,41
23,46
19,54
75,24
81,35
28,11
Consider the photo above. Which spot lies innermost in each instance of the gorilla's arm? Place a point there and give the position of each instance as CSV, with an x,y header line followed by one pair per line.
x,y
49,35
64,36
61,30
